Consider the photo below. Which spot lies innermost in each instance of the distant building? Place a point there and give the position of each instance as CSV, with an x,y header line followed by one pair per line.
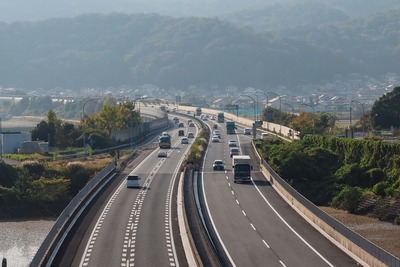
x,y
11,141
32,147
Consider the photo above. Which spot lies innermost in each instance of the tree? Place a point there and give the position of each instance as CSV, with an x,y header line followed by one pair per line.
x,y
304,123
386,110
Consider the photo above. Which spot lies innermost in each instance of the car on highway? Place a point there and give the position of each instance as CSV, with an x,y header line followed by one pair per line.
x,y
181,124
184,140
191,124
217,133
218,165
247,131
162,154
234,151
215,139
190,135
232,143
132,181
181,133
215,126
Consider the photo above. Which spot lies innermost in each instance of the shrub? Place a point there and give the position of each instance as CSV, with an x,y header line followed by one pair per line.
x,y
348,199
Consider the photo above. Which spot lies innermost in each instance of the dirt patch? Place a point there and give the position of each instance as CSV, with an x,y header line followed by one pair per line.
x,y
383,234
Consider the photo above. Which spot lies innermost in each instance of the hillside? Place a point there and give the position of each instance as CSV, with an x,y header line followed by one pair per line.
x,y
92,51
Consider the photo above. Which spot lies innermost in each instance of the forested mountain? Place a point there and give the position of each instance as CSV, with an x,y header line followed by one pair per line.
x,y
118,49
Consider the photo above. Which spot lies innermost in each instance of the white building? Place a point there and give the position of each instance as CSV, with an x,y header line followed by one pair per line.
x,y
11,141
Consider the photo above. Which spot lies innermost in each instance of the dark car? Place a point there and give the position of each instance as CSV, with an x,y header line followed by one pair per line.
x,y
181,124
218,165
234,151
181,133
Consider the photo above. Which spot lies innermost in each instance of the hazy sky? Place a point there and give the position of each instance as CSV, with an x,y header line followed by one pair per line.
x,y
21,10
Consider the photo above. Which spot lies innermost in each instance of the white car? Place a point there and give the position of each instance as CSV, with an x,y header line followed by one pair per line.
x,y
215,139
232,143
184,140
190,135
217,133
162,154
247,131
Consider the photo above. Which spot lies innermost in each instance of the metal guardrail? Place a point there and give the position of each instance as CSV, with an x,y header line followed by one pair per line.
x,y
67,218
75,208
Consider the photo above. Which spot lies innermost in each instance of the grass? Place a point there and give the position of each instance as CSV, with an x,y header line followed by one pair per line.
x,y
383,234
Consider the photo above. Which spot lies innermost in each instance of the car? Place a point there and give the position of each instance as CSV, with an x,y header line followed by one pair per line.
x,y
165,134
215,126
181,124
232,143
213,118
181,133
191,124
234,151
205,119
132,181
162,154
188,112
217,133
190,120
190,135
247,131
215,139
218,165
184,140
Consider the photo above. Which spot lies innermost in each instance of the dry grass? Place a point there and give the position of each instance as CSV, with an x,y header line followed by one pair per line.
x,y
97,162
383,234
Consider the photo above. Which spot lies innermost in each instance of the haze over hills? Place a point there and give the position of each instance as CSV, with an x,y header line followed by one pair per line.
x,y
291,44
21,10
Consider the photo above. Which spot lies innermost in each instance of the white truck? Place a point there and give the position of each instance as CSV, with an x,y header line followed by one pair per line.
x,y
241,167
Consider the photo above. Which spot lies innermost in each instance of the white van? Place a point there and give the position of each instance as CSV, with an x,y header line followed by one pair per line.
x,y
132,181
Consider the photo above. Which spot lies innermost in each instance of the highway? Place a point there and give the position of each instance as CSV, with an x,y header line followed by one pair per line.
x,y
135,226
254,225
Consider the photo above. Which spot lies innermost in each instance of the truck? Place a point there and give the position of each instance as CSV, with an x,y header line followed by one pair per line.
x,y
198,111
220,117
164,141
241,168
230,127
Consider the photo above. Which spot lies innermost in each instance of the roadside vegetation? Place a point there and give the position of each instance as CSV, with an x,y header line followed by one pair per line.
x,y
35,188
359,176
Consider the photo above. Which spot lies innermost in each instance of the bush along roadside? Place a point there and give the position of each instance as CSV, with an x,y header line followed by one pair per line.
x,y
195,157
359,176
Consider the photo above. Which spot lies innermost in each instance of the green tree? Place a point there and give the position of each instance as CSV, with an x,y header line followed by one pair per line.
x,y
348,199
386,110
